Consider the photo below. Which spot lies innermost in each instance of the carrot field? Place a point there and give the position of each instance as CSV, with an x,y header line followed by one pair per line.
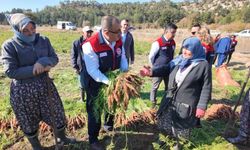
x,y
141,134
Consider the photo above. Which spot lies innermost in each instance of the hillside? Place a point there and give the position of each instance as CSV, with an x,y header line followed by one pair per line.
x,y
212,5
152,14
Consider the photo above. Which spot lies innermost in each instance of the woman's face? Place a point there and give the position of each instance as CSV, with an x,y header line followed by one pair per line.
x,y
29,30
186,53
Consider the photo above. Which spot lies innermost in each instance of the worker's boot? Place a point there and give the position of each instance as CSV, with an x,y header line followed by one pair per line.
x,y
238,140
61,137
34,142
177,147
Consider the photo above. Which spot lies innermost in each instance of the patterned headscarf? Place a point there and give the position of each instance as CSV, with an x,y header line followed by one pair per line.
x,y
18,22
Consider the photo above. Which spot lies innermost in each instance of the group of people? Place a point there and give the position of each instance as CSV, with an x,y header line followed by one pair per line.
x,y
28,57
188,81
162,51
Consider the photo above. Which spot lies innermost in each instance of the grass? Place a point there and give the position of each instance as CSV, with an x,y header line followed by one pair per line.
x,y
142,137
142,47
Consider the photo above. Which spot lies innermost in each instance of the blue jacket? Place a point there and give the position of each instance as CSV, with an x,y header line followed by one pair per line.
x,y
223,45
19,58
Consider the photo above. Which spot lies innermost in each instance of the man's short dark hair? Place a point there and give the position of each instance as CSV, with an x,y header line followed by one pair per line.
x,y
126,20
197,25
170,26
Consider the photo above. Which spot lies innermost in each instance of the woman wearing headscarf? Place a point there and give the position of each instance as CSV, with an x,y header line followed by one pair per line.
x,y
27,57
189,89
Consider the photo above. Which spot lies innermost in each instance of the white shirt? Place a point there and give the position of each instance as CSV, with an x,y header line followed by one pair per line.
x,y
92,62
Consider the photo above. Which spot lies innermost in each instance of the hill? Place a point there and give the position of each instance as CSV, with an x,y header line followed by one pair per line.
x,y
213,5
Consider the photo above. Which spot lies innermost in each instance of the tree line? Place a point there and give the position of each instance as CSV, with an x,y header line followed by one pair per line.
x,y
153,13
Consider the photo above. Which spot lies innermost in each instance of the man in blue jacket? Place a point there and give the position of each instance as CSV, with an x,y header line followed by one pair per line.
x,y
222,49
76,57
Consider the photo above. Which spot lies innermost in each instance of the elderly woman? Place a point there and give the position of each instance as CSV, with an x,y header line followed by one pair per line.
x,y
189,89
27,57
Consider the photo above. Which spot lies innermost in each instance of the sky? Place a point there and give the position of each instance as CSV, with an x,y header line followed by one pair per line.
x,y
8,5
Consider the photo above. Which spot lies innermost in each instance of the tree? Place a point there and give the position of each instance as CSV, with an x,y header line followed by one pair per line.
x,y
207,17
246,15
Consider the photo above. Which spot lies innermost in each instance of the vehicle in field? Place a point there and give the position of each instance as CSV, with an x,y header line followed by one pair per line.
x,y
67,25
243,33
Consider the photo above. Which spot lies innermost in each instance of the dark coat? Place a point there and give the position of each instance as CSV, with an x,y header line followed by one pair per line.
x,y
129,47
19,58
195,90
76,54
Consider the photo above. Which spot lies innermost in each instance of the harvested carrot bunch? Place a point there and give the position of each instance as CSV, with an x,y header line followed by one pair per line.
x,y
122,88
220,112
126,85
73,123
6,124
135,118
76,122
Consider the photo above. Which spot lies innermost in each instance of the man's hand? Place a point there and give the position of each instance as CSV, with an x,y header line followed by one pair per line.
x,y
200,113
38,69
47,68
146,71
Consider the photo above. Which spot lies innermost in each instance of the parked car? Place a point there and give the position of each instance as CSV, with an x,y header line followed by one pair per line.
x,y
65,25
97,27
244,33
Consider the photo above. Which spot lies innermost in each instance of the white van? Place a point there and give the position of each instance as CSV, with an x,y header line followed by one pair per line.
x,y
65,25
